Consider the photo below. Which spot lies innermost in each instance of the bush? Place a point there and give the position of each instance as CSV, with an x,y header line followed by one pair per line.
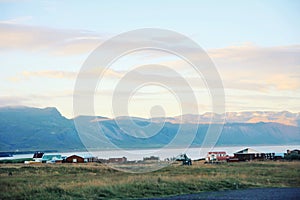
x,y
292,156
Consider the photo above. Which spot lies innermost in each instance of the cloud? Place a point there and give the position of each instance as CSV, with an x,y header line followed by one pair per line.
x,y
60,74
18,20
249,56
13,100
245,67
257,101
60,42
50,74
25,75
34,98
250,67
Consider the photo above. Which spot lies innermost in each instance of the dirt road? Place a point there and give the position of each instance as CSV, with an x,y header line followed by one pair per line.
x,y
247,194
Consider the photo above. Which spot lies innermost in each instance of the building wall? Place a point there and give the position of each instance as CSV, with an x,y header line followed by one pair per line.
x,y
216,156
51,158
254,156
72,159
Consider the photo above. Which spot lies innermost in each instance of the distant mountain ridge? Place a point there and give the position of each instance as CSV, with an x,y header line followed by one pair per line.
x,y
284,117
26,128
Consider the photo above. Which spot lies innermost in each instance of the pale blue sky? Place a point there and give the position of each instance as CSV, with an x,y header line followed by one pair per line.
x,y
213,23
44,43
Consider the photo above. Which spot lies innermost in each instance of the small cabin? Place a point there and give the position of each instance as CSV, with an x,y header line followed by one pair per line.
x,y
216,156
37,156
75,159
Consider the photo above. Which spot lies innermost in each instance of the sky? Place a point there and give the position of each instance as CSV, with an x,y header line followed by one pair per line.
x,y
254,45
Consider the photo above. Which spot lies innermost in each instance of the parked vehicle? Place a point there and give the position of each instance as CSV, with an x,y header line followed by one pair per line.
x,y
185,159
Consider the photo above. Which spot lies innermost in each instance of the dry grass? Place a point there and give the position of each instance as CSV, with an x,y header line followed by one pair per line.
x,y
96,181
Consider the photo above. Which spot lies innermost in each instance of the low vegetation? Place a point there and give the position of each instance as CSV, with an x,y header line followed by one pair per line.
x,y
20,160
292,156
97,181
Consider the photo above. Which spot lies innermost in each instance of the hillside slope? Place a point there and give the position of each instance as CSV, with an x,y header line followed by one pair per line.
x,y
30,129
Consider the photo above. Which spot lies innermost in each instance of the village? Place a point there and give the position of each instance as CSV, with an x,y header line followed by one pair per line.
x,y
213,157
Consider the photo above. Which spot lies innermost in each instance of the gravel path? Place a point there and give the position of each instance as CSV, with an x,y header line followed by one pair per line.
x,y
247,194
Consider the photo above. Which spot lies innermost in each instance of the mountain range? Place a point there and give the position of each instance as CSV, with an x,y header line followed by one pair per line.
x,y
36,129
284,117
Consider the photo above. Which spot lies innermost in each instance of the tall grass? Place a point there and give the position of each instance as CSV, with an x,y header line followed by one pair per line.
x,y
96,181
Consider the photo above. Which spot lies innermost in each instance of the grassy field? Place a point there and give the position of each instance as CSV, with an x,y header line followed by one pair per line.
x,y
97,181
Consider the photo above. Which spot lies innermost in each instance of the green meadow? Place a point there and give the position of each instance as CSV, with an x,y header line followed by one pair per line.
x,y
98,181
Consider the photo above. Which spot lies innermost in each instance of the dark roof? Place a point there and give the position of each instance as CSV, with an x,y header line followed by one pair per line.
x,y
38,154
75,156
217,152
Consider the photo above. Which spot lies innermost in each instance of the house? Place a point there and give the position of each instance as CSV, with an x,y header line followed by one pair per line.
x,y
37,156
52,158
117,160
75,159
80,159
216,156
249,154
89,158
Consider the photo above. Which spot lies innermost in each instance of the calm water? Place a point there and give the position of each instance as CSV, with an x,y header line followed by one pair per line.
x,y
194,153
